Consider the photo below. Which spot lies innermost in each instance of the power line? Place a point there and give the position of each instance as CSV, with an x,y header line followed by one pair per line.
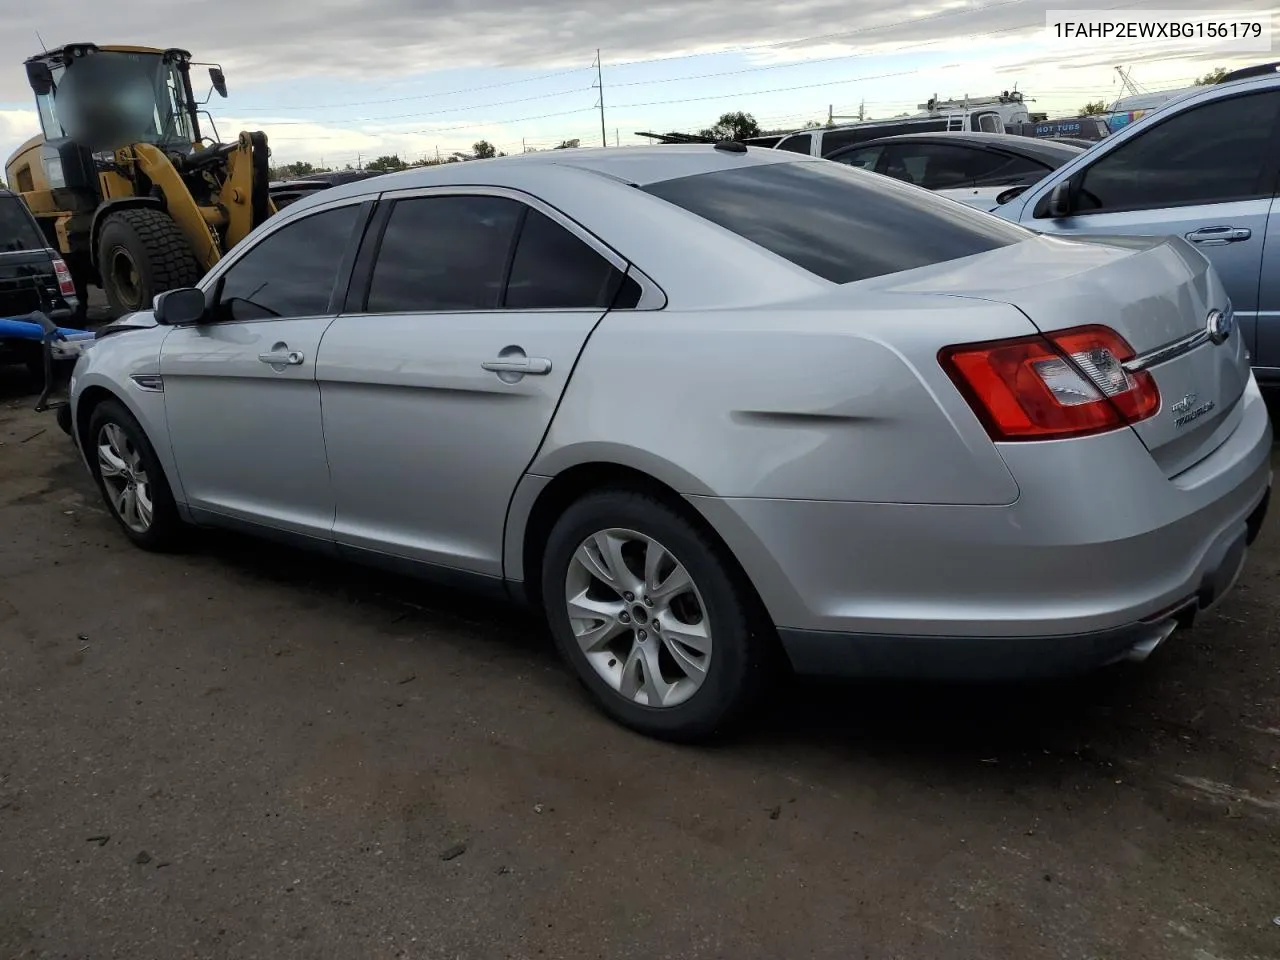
x,y
803,86
743,48
428,113
598,67
465,126
423,96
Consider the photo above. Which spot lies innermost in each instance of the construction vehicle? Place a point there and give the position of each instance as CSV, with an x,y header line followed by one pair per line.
x,y
124,184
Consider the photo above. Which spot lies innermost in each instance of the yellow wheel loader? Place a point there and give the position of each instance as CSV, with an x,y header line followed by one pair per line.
x,y
122,181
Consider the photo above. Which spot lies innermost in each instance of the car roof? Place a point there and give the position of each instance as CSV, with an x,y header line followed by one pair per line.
x,y
634,166
1040,149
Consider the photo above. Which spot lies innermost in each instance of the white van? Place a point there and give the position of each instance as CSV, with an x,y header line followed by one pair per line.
x,y
979,115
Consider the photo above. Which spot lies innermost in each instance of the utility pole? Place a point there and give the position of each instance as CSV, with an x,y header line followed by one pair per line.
x,y
599,84
617,137
862,110
359,163
523,147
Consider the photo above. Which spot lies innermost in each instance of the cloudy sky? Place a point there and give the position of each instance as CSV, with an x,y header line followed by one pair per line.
x,y
342,81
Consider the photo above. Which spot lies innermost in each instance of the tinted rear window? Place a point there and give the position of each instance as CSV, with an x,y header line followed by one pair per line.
x,y
17,230
839,223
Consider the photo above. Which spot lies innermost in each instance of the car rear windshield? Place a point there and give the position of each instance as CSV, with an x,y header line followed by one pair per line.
x,y
17,229
839,223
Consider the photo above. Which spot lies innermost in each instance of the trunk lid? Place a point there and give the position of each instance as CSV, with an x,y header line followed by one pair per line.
x,y
1157,293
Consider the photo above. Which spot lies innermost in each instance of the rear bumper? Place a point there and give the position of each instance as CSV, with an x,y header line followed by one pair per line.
x,y
821,653
1099,552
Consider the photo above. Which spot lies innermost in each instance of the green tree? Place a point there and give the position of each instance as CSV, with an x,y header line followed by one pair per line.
x,y
386,163
568,145
1093,109
732,126
1213,76
483,150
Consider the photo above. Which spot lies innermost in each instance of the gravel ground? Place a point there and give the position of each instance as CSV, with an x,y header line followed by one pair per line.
x,y
244,751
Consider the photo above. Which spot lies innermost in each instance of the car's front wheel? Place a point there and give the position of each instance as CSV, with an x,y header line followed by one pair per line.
x,y
130,478
652,616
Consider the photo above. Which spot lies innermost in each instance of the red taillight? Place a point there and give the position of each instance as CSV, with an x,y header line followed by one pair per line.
x,y
1065,384
66,286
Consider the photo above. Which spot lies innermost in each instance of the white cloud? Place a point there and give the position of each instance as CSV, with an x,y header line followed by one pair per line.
x,y
991,43
385,38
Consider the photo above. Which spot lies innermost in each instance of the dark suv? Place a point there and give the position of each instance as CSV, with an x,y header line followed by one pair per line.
x,y
29,268
32,277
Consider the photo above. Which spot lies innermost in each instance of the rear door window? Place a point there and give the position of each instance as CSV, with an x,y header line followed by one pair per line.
x,y
864,159
457,254
837,223
18,231
934,166
800,143
988,168
555,270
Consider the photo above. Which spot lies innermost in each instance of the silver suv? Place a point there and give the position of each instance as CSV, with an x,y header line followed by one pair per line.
x,y
1203,166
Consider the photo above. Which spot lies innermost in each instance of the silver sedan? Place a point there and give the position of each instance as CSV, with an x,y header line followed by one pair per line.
x,y
716,413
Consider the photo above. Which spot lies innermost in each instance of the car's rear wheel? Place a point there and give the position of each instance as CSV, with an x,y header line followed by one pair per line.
x,y
130,478
653,617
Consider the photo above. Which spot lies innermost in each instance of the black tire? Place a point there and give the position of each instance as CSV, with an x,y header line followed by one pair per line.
x,y
742,659
141,252
166,529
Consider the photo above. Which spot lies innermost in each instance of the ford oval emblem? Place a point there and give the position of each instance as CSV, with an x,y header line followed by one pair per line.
x,y
1219,325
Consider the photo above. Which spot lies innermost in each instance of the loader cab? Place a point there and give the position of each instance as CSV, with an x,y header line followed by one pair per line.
x,y
93,100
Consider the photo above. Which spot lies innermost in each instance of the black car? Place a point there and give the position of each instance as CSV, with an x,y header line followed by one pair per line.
x,y
32,277
944,161
285,192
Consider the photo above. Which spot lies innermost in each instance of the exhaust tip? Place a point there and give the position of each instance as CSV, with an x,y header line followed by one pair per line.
x,y
1145,647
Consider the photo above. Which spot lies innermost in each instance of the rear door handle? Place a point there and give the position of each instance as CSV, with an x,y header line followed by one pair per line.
x,y
530,366
292,358
1216,236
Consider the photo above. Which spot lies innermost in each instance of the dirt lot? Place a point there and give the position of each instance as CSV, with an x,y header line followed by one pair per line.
x,y
244,751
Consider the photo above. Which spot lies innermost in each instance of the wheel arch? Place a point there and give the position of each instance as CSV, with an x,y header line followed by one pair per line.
x,y
89,398
535,511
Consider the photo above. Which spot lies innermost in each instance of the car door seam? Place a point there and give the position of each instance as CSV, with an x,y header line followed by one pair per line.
x,y
582,349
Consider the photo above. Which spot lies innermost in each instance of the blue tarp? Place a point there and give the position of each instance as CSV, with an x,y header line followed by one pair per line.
x,y
15,329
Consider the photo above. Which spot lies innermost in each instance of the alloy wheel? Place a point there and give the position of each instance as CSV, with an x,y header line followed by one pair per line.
x,y
125,478
638,617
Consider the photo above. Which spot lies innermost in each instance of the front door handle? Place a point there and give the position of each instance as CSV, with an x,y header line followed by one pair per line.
x,y
530,366
1217,236
292,358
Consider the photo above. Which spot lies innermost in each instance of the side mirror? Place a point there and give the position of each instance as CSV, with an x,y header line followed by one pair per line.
x,y
176,307
219,80
40,77
1060,200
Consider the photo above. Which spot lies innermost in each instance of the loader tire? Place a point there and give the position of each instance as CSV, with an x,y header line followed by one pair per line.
x,y
141,252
